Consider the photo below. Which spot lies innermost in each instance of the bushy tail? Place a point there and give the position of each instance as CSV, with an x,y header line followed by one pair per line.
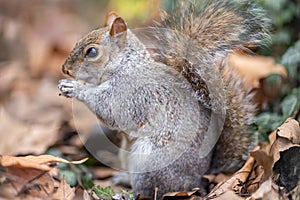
x,y
198,33
218,26
194,39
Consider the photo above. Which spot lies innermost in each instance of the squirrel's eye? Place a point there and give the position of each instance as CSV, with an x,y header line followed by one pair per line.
x,y
92,52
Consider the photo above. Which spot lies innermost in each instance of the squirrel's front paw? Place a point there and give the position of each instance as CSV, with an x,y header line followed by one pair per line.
x,y
122,178
67,87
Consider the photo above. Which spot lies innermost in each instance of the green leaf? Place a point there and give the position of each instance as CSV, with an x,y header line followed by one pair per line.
x,y
54,152
289,105
86,180
292,55
103,192
267,122
70,177
291,58
282,36
129,193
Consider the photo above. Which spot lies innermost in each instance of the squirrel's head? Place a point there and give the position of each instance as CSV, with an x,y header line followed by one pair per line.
x,y
90,60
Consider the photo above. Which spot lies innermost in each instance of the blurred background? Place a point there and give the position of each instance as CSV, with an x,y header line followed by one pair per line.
x,y
36,37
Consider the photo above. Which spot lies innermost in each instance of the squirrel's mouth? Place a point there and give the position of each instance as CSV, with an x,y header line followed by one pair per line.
x,y
68,73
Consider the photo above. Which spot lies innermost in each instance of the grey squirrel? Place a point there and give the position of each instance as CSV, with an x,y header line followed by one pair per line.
x,y
183,111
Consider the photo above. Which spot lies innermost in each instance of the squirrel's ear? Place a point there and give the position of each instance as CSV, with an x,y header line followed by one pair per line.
x,y
115,23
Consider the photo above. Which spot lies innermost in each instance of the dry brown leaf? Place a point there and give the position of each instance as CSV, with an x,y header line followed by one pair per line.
x,y
264,160
290,130
64,191
268,190
228,195
254,180
272,139
36,162
254,68
235,182
29,177
262,168
285,137
179,194
242,175
281,139
288,135
280,145
176,194
26,183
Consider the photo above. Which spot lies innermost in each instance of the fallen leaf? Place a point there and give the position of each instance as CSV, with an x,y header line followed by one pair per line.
x,y
192,195
290,130
179,194
242,175
264,160
268,190
254,68
287,136
30,177
255,179
235,182
262,168
103,192
108,183
259,167
64,191
42,162
228,195
272,139
26,183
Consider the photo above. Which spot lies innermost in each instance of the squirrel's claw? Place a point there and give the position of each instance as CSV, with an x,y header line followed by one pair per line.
x,y
66,87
